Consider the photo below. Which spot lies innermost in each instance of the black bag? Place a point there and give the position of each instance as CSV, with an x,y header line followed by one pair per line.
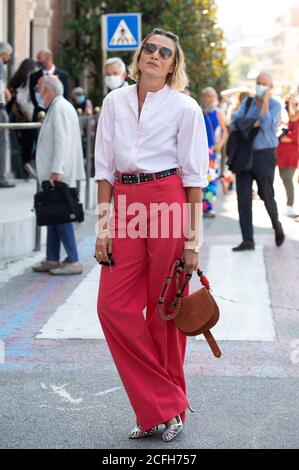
x,y
239,144
57,205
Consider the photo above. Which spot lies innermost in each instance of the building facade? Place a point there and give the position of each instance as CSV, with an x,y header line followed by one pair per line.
x,y
276,53
31,25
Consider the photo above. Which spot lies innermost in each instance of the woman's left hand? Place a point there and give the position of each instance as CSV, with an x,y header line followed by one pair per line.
x,y
191,260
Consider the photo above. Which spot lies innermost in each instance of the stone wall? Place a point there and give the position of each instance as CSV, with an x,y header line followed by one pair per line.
x,y
22,31
47,17
55,32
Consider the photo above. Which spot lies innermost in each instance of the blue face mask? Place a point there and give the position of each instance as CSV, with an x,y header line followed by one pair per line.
x,y
261,90
80,99
40,101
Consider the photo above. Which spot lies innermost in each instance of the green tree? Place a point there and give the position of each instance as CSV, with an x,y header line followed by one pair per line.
x,y
194,21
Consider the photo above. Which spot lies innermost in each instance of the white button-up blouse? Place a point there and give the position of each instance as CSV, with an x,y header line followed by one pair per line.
x,y
170,133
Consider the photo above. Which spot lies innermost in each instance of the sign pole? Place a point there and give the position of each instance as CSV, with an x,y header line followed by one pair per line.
x,y
120,32
105,57
104,53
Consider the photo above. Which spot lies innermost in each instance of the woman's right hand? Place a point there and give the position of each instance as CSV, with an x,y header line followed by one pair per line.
x,y
103,247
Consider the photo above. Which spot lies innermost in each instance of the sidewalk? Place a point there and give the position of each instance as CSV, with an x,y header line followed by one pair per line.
x,y
17,219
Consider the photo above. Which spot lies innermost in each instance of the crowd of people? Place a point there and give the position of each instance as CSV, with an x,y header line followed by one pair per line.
x,y
40,91
276,138
277,135
20,102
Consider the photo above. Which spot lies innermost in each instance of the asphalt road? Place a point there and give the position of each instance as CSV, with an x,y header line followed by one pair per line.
x,y
66,393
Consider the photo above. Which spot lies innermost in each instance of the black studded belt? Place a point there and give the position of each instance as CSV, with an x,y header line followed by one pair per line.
x,y
137,178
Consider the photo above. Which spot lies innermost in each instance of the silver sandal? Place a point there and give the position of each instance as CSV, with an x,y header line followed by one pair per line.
x,y
137,433
173,430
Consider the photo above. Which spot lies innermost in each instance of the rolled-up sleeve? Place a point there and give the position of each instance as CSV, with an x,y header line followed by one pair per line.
x,y
104,154
192,148
270,120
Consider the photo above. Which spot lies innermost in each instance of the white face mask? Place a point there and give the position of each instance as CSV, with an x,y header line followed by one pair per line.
x,y
113,81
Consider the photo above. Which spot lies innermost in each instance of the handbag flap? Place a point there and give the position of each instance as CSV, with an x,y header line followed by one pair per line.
x,y
196,312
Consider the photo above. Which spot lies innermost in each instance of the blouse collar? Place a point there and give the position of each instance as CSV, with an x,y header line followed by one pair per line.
x,y
150,96
153,95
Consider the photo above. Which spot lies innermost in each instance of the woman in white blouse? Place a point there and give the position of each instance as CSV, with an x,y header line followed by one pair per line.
x,y
151,149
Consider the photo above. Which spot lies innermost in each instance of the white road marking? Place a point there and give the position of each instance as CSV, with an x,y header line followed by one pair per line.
x,y
77,317
60,390
73,403
105,392
239,283
241,279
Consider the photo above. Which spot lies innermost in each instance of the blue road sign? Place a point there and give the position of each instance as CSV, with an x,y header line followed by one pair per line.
x,y
121,31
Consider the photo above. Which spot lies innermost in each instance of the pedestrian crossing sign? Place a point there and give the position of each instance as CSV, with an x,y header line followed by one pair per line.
x,y
121,31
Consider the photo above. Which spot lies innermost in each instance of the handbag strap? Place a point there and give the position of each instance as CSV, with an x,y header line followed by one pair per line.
x,y
212,343
248,104
176,269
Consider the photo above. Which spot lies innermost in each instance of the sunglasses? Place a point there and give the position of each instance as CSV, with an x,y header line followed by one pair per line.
x,y
164,52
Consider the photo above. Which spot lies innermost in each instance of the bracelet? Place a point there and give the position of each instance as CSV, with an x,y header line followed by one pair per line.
x,y
102,233
194,248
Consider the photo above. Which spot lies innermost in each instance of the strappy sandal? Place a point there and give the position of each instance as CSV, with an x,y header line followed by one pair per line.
x,y
137,432
173,430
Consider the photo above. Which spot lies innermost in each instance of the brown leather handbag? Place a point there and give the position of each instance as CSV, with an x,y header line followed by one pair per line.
x,y
194,314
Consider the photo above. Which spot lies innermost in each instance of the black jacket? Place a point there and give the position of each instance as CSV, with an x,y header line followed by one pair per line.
x,y
240,142
239,146
34,78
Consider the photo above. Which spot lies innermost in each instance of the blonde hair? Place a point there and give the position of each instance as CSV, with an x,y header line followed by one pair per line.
x,y
178,79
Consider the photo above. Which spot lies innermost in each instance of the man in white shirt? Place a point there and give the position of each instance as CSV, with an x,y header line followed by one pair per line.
x,y
5,55
47,67
59,157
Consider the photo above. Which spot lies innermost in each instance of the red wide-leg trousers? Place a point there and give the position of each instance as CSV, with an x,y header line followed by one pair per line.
x,y
148,351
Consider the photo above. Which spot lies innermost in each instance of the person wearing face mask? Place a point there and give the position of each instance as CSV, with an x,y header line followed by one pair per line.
x,y
217,135
5,55
59,157
47,67
266,114
288,154
115,73
81,102
84,108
